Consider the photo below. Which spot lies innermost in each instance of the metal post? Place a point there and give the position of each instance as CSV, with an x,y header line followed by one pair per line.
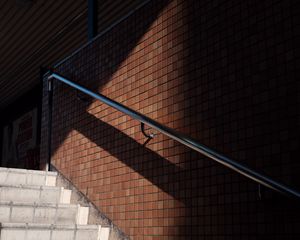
x,y
92,19
50,102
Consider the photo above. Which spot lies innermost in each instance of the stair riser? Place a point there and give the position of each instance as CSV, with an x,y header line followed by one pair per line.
x,y
47,235
26,178
38,214
38,195
50,234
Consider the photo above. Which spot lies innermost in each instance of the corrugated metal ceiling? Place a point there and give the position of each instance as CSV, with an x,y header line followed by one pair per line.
x,y
35,33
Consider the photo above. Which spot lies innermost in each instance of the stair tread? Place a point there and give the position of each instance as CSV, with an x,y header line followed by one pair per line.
x,y
19,170
50,205
50,226
30,186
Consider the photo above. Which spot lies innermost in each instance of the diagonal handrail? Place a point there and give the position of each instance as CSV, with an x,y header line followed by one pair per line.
x,y
185,140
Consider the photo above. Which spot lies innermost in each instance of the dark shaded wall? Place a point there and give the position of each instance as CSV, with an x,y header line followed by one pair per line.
x,y
26,103
224,72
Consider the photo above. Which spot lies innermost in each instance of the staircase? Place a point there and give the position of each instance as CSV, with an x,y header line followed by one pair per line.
x,y
32,207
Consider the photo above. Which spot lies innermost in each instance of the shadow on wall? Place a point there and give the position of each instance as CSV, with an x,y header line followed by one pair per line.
x,y
240,79
240,86
169,177
239,90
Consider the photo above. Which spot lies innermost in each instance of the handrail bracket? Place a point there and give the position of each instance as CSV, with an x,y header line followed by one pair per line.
x,y
148,136
50,84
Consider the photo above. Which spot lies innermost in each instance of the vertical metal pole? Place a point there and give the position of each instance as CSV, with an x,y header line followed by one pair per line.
x,y
92,19
50,102
43,70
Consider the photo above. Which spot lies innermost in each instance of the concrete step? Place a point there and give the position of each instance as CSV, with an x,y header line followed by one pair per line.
x,y
34,194
43,213
14,176
34,231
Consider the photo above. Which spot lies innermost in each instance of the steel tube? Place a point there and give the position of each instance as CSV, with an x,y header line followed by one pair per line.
x,y
185,140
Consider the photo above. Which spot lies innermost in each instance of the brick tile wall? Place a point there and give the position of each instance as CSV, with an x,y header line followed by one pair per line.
x,y
224,72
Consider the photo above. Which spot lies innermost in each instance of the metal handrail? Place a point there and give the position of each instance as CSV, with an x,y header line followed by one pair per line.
x,y
185,140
